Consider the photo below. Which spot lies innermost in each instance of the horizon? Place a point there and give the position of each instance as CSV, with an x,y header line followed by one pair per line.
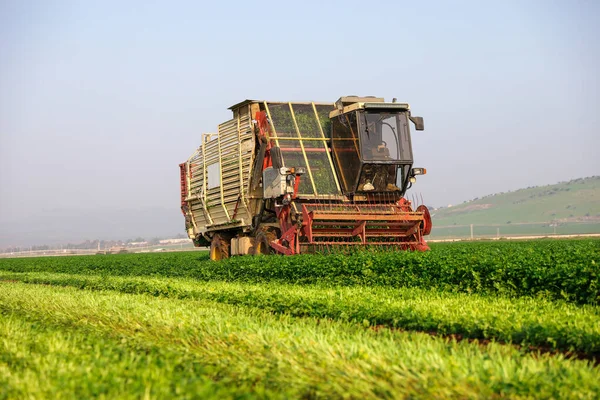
x,y
174,235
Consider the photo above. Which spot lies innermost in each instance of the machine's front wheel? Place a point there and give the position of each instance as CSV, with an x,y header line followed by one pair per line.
x,y
426,224
262,242
219,247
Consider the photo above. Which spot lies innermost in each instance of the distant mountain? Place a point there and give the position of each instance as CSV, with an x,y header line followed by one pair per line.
x,y
64,225
570,206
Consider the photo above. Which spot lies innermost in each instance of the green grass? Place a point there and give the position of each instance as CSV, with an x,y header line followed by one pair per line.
x,y
51,332
525,321
569,200
313,326
44,361
556,269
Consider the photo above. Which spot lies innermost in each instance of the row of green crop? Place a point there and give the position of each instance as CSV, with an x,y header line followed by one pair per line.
x,y
45,361
525,321
557,269
263,354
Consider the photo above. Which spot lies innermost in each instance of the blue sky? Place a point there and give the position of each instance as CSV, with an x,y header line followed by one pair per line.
x,y
100,101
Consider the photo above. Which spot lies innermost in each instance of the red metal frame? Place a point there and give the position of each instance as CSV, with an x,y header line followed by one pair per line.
x,y
427,224
372,222
381,224
296,186
287,244
184,189
263,134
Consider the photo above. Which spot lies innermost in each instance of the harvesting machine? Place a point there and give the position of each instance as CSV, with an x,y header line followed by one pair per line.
x,y
295,177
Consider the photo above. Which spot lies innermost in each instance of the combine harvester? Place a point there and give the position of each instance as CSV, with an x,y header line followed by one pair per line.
x,y
294,178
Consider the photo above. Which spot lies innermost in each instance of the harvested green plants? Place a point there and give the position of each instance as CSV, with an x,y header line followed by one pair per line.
x,y
294,357
465,320
557,269
523,321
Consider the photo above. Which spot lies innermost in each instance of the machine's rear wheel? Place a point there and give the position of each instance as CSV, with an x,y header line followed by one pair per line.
x,y
219,247
261,241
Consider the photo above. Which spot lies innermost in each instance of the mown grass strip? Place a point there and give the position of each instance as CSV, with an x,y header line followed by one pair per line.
x,y
44,361
556,269
524,321
305,356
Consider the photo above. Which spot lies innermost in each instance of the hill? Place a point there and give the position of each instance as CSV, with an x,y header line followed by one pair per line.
x,y
567,208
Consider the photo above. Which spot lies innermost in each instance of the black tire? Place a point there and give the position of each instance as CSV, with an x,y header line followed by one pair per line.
x,y
219,247
262,242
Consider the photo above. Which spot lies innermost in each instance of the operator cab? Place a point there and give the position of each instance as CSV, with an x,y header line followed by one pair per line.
x,y
371,145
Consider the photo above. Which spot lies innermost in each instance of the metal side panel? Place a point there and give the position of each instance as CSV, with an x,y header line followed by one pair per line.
x,y
301,132
195,196
219,175
235,148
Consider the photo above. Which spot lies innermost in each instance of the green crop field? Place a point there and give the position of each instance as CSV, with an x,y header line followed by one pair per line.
x,y
465,320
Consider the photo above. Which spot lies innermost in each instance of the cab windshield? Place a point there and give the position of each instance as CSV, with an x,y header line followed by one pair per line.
x,y
384,137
